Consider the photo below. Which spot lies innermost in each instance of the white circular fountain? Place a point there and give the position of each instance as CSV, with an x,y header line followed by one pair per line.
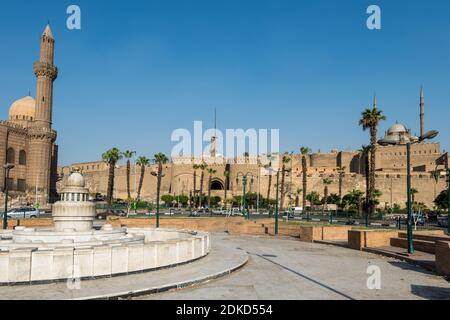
x,y
73,249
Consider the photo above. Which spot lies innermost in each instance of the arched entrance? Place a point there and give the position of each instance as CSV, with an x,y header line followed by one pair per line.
x,y
217,185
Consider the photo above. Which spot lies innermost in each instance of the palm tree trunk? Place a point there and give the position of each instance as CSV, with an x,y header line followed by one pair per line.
x,y
141,181
268,189
304,178
297,201
128,179
373,142
109,195
195,187
283,173
202,177
325,198
225,196
209,193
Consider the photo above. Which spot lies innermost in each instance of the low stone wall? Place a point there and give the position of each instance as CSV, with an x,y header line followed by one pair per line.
x,y
31,223
28,265
443,258
419,245
359,239
310,233
204,224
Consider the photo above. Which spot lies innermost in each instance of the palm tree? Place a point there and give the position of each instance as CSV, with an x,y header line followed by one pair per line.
x,y
226,174
286,159
269,167
305,151
297,196
143,162
111,156
128,155
210,171
195,167
370,119
160,159
326,182
202,167
341,171
364,151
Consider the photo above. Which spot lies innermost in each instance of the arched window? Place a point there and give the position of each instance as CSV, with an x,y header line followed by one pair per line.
x,y
22,157
217,185
10,155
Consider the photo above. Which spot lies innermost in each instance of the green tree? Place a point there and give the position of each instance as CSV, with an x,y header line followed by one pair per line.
x,y
313,198
354,200
128,155
143,162
304,151
441,200
370,119
168,199
111,156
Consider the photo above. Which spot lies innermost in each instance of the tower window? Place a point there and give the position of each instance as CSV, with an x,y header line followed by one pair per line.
x,y
22,157
10,155
21,185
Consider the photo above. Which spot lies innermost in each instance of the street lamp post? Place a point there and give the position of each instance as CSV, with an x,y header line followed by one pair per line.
x,y
158,176
244,185
7,168
276,204
385,142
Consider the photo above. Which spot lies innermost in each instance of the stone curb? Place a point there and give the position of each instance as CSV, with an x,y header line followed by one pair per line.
x,y
166,287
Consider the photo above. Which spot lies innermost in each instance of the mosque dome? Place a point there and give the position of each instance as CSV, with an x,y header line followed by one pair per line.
x,y
397,128
23,109
76,180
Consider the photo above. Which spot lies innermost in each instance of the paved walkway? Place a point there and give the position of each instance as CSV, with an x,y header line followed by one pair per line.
x,y
277,269
290,269
212,266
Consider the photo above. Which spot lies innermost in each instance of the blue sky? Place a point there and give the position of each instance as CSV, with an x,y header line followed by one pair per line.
x,y
140,69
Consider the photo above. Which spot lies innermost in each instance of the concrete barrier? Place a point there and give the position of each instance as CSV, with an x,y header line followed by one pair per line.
x,y
443,258
359,239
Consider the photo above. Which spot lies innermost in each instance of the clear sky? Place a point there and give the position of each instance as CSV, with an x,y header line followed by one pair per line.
x,y
137,70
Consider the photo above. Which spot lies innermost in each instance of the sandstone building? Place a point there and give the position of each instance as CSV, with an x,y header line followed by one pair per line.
x,y
27,139
390,172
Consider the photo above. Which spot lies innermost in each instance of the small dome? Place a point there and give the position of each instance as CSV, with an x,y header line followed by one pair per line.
x,y
23,109
397,128
75,179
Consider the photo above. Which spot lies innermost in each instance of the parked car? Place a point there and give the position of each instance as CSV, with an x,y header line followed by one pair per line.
x,y
24,213
113,212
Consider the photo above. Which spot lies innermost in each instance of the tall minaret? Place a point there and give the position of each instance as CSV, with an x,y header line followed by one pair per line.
x,y
42,151
374,101
422,112
46,73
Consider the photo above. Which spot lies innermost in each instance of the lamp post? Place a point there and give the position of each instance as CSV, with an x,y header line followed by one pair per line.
x,y
244,185
7,168
385,142
158,176
276,204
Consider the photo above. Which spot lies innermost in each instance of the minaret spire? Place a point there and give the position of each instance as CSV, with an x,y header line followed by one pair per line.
x,y
374,101
422,112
